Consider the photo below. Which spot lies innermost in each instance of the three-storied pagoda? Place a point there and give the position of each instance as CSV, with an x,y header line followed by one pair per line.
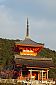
x,y
30,65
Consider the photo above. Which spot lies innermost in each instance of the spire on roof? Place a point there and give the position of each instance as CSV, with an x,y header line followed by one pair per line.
x,y
27,31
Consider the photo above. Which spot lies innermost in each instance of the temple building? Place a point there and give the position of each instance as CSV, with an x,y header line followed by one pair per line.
x,y
28,62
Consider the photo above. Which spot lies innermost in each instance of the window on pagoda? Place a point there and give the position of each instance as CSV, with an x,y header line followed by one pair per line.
x,y
28,52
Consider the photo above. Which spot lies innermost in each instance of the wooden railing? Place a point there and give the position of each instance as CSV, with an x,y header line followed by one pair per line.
x,y
13,81
32,82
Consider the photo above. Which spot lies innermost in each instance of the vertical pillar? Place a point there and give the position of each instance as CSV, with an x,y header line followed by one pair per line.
x,y
38,76
47,74
42,75
30,74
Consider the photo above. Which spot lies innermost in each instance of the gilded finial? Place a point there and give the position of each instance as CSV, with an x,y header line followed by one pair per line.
x,y
27,31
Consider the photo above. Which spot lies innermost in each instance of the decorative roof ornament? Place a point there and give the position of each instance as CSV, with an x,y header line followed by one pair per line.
x,y
27,31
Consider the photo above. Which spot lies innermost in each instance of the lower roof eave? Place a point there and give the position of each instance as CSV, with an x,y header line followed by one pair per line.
x,y
37,68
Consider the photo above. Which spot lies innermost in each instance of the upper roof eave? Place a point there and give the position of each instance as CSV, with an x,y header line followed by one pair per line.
x,y
28,42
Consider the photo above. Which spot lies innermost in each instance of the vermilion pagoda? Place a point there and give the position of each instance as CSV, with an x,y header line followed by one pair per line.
x,y
30,65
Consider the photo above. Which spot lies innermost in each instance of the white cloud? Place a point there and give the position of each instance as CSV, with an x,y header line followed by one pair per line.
x,y
7,24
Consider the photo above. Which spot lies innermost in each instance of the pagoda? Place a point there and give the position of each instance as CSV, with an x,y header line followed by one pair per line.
x,y
31,65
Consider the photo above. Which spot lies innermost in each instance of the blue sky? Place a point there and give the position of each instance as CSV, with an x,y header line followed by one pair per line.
x,y
42,20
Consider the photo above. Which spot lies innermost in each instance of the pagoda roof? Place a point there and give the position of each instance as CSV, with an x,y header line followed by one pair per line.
x,y
32,61
29,42
31,57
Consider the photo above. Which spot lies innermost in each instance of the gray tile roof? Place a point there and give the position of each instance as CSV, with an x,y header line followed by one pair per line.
x,y
31,57
28,41
38,62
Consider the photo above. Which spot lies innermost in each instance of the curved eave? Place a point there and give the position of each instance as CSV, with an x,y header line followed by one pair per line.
x,y
38,45
37,63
